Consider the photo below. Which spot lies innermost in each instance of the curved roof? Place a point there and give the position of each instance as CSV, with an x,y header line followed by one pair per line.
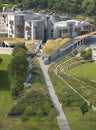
x,y
64,23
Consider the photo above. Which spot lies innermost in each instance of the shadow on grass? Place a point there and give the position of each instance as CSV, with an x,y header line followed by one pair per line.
x,y
4,81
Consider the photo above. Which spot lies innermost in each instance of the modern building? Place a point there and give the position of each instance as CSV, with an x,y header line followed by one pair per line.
x,y
94,53
31,25
4,24
69,28
16,24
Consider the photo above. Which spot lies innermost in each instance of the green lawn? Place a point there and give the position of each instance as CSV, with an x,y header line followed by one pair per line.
x,y
6,102
77,121
71,103
87,70
85,86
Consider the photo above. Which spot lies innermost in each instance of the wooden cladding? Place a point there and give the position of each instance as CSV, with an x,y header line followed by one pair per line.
x,y
86,27
77,29
65,30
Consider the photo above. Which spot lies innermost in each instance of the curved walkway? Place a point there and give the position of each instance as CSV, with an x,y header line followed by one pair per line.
x,y
63,124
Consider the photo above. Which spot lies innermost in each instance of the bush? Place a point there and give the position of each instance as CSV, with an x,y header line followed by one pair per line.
x,y
1,59
75,52
34,100
17,69
86,54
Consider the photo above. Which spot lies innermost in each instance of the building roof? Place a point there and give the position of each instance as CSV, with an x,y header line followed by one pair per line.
x,y
12,40
85,35
64,23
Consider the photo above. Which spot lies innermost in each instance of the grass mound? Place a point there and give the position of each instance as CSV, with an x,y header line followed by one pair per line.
x,y
52,45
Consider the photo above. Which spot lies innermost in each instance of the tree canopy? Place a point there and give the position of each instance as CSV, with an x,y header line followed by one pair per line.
x,y
71,6
17,70
1,59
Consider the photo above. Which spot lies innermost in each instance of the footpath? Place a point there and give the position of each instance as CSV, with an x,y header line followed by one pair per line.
x,y
63,124
6,50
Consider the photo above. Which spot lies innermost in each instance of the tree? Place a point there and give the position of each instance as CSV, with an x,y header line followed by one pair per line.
x,y
86,54
75,52
84,108
83,52
16,88
89,53
29,111
19,48
40,112
18,68
1,59
24,118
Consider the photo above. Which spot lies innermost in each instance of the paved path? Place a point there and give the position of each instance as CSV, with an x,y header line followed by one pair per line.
x,y
63,124
5,50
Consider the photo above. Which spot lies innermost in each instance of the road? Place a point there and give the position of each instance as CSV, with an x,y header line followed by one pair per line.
x,y
63,124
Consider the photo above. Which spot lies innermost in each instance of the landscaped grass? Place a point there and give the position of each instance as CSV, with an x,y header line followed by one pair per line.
x,y
77,121
30,44
87,70
12,40
83,85
71,103
6,102
52,45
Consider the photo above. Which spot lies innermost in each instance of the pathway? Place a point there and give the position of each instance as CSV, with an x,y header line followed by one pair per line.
x,y
6,50
63,124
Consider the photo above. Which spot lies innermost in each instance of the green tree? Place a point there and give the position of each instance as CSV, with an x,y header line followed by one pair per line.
x,y
89,53
19,48
1,59
40,112
18,68
24,118
29,111
16,87
75,52
84,108
86,54
83,52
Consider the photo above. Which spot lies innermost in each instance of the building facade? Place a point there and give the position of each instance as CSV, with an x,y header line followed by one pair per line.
x,y
69,28
4,24
31,25
34,29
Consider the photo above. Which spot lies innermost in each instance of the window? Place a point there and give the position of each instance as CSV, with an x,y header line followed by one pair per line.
x,y
10,36
10,22
65,31
29,33
51,32
29,38
59,32
86,27
77,30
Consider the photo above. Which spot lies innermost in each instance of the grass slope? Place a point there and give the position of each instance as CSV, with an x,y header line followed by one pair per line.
x,y
52,45
87,70
71,103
